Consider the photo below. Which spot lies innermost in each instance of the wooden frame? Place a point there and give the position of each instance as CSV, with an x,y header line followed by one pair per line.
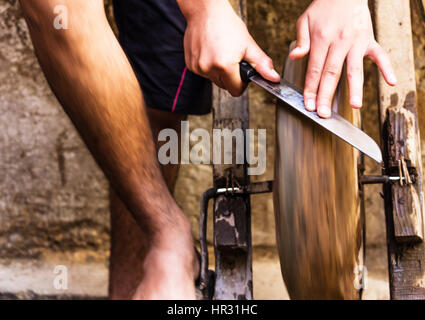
x,y
232,241
400,138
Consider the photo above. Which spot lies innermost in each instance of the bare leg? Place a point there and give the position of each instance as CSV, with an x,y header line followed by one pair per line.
x,y
93,80
128,254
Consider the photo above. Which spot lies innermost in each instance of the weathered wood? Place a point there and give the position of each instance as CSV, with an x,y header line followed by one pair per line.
x,y
403,139
394,33
317,202
422,7
403,149
232,223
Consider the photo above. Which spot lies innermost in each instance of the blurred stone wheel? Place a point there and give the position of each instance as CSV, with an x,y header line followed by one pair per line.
x,y
317,201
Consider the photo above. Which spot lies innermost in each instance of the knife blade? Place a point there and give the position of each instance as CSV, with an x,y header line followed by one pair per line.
x,y
336,124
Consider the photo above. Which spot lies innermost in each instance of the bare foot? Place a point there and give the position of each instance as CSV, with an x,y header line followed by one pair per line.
x,y
169,273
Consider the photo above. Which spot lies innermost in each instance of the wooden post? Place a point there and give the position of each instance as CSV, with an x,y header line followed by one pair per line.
x,y
402,156
422,7
232,223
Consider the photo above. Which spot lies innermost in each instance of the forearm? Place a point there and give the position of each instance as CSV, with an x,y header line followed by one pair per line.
x,y
94,82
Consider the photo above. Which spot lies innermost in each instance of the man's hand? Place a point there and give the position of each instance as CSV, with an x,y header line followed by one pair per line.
x,y
217,40
333,31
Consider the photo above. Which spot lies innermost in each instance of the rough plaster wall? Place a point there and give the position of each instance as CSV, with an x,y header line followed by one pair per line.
x,y
52,195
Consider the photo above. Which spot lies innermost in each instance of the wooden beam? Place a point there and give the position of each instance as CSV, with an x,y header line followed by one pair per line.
x,y
422,7
403,149
398,109
232,221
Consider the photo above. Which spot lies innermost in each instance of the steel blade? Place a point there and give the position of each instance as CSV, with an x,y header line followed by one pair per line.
x,y
336,124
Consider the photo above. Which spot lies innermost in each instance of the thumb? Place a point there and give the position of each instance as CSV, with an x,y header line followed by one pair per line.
x,y
303,39
262,63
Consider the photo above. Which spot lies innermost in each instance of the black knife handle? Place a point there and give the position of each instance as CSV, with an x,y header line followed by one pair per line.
x,y
247,71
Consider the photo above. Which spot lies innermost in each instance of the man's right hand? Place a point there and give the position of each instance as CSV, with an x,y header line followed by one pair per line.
x,y
217,40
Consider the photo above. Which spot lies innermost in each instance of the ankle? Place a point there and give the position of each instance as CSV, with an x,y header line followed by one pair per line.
x,y
180,256
174,236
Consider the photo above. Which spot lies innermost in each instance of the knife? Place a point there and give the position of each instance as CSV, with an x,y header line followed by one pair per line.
x,y
336,124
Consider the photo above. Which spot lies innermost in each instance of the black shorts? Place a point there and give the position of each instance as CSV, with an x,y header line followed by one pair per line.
x,y
151,33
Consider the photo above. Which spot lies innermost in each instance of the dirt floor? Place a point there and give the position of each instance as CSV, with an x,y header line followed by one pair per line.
x,y
88,277
268,283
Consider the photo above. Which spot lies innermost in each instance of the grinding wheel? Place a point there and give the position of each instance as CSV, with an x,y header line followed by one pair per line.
x,y
317,201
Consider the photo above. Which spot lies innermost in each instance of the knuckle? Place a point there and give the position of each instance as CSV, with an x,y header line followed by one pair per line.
x,y
188,61
345,34
220,66
322,33
315,72
331,71
204,66
190,66
221,63
194,67
266,61
353,72
309,94
324,99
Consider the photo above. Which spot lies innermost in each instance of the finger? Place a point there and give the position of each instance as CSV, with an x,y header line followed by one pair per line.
x,y
261,62
218,81
330,78
318,53
231,79
303,39
355,76
192,57
380,57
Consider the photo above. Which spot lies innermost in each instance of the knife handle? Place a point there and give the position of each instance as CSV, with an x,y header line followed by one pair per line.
x,y
247,71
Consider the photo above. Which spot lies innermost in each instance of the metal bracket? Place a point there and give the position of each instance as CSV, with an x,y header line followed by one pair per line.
x,y
379,179
206,275
405,176
253,188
